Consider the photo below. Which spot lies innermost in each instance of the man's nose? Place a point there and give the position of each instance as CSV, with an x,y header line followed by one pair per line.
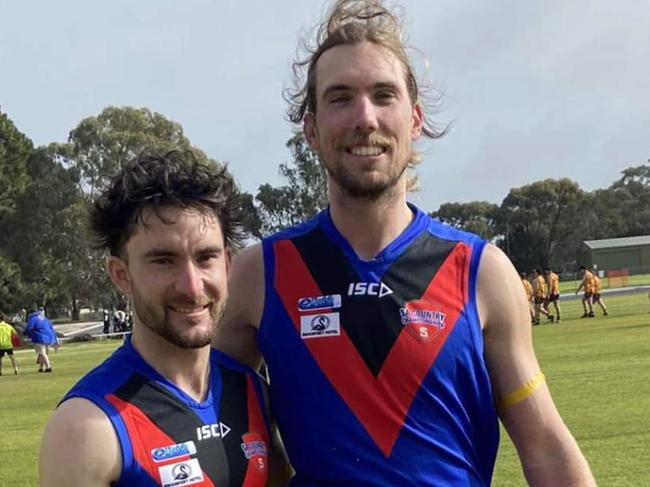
x,y
365,113
189,281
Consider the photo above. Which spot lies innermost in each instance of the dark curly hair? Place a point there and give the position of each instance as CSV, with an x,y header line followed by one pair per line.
x,y
155,180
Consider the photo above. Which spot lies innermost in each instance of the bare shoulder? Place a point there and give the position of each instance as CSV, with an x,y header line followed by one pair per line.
x,y
503,310
237,333
500,293
91,455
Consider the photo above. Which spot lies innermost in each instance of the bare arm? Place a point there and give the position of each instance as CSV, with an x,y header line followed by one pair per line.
x,y
237,334
79,448
548,453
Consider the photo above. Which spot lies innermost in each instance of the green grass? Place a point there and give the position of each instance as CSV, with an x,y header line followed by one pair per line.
x,y
27,401
597,369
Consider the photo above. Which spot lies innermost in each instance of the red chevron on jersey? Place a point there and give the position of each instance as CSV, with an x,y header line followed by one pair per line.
x,y
145,438
254,444
410,359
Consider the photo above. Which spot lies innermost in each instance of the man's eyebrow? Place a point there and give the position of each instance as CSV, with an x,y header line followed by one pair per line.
x,y
343,87
160,252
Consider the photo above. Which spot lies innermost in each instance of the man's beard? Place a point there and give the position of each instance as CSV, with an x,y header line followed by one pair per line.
x,y
150,316
353,185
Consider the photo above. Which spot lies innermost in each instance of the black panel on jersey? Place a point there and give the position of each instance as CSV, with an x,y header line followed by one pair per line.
x,y
233,410
178,422
372,323
414,270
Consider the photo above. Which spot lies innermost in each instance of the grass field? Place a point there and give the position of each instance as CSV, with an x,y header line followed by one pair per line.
x,y
597,370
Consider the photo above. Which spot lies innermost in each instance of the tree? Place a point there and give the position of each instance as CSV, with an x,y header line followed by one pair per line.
x,y
99,146
302,198
476,216
541,223
47,232
633,198
15,148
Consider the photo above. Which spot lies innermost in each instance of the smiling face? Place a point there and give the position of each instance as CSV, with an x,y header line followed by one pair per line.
x,y
176,273
365,123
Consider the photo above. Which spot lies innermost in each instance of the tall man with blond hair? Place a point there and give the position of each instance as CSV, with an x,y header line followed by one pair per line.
x,y
391,352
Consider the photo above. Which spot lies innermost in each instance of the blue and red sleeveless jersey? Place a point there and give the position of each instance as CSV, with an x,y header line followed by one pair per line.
x,y
376,367
167,438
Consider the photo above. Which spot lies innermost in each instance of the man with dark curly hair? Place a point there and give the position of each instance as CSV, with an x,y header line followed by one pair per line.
x,y
165,409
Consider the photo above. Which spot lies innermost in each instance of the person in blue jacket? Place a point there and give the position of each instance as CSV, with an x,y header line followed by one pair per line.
x,y
41,332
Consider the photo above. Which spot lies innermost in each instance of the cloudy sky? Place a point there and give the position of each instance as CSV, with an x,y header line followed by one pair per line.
x,y
559,88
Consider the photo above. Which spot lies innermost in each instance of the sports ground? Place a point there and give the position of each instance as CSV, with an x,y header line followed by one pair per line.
x,y
597,369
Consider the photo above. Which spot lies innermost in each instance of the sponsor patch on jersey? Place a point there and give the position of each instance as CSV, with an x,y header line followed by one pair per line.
x,y
332,301
181,473
173,451
423,320
254,450
320,325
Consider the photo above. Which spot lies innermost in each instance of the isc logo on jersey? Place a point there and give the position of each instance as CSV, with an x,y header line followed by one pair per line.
x,y
378,289
214,430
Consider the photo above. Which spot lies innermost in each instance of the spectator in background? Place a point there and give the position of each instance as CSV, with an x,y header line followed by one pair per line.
x,y
54,338
106,319
596,297
553,285
529,295
119,320
40,332
8,340
588,285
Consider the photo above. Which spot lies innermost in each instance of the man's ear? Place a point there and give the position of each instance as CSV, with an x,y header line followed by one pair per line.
x,y
310,131
118,271
417,121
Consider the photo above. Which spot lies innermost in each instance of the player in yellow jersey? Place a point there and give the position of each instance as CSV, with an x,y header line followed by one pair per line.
x,y
540,292
596,297
553,284
529,295
8,339
588,285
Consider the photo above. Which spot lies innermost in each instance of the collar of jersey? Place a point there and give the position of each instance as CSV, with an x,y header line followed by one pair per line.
x,y
148,371
390,252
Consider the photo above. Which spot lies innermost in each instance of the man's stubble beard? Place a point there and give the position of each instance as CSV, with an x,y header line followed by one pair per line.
x,y
352,185
149,316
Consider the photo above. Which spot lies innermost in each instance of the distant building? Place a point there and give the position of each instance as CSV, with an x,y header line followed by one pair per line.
x,y
613,254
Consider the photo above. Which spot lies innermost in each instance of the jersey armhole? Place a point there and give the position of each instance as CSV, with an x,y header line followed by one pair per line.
x,y
478,247
268,267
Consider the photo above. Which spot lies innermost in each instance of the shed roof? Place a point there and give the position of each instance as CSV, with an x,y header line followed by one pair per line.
x,y
612,243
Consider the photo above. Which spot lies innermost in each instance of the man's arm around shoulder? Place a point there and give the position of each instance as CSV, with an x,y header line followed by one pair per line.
x,y
548,452
79,448
237,333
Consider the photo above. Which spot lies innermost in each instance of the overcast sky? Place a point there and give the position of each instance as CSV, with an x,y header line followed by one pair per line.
x,y
558,88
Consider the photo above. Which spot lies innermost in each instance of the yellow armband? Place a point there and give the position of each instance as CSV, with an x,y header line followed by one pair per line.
x,y
523,392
